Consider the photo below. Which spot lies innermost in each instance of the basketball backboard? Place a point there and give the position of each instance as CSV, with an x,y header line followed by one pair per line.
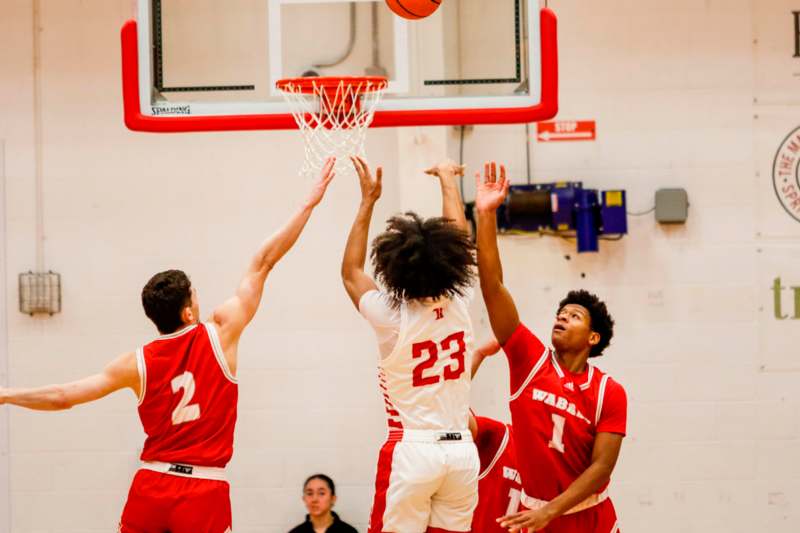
x,y
203,65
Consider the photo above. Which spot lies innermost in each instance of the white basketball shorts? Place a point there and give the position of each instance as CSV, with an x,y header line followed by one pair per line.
x,y
425,481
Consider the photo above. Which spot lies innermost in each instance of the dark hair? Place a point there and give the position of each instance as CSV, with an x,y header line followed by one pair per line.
x,y
322,477
423,258
164,297
601,321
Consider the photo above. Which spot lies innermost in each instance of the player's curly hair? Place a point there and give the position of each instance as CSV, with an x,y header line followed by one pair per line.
x,y
164,297
601,321
419,258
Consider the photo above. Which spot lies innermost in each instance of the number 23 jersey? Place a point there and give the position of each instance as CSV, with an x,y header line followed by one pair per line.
x,y
425,359
188,398
557,414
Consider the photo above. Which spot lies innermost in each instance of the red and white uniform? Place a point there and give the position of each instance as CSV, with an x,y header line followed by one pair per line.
x,y
499,485
187,407
556,416
427,470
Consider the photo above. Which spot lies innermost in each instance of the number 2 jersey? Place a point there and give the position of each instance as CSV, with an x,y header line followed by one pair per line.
x,y
188,398
424,368
556,415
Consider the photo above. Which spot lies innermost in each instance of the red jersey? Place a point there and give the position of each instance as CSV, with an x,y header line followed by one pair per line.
x,y
499,485
556,415
188,398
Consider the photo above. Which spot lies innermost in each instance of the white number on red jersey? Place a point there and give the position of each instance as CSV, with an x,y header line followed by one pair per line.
x,y
513,504
184,412
557,441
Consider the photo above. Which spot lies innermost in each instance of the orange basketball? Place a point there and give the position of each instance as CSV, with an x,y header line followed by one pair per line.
x,y
413,9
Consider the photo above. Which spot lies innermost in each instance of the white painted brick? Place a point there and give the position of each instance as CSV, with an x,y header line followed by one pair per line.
x,y
713,426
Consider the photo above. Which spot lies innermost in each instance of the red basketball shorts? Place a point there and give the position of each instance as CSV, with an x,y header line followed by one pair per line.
x,y
160,503
602,518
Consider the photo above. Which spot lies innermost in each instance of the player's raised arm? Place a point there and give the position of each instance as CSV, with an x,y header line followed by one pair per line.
x,y
232,316
356,281
119,374
448,173
490,194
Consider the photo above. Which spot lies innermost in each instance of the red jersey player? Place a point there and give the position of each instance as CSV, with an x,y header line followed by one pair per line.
x,y
499,484
186,385
569,417
427,475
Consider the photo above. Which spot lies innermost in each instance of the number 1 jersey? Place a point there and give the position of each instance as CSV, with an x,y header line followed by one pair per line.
x,y
188,398
556,415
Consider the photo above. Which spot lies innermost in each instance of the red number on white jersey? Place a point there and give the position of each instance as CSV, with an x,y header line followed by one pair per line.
x,y
417,349
457,355
450,372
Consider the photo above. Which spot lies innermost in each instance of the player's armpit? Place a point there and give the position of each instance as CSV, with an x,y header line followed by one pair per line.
x,y
523,351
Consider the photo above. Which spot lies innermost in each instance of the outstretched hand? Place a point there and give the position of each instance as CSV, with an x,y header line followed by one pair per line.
x,y
321,185
445,169
490,191
370,187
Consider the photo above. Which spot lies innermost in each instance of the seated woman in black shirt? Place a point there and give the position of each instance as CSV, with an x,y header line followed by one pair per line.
x,y
319,495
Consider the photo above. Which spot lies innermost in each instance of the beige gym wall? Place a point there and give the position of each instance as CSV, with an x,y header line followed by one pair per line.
x,y
683,97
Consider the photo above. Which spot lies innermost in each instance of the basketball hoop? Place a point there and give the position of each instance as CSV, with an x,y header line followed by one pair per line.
x,y
333,114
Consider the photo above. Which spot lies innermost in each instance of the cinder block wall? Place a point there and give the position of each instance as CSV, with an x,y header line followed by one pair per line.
x,y
694,94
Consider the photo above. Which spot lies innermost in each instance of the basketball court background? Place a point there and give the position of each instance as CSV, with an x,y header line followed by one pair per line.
x,y
697,94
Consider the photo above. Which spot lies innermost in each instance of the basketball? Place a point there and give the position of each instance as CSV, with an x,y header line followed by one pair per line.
x,y
413,9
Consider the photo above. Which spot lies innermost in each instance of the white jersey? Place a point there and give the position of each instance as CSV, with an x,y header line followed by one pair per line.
x,y
425,375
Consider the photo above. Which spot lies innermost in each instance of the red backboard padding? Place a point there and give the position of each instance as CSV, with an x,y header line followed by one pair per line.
x,y
135,120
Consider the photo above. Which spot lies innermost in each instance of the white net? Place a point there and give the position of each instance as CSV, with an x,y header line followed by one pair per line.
x,y
333,117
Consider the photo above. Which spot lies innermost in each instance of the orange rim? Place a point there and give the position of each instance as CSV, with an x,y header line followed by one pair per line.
x,y
310,85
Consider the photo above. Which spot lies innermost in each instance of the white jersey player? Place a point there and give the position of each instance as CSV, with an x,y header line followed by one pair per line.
x,y
427,475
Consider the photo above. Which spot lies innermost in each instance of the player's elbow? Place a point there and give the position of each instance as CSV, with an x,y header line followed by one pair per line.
x,y
265,267
60,400
603,470
349,275
349,283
